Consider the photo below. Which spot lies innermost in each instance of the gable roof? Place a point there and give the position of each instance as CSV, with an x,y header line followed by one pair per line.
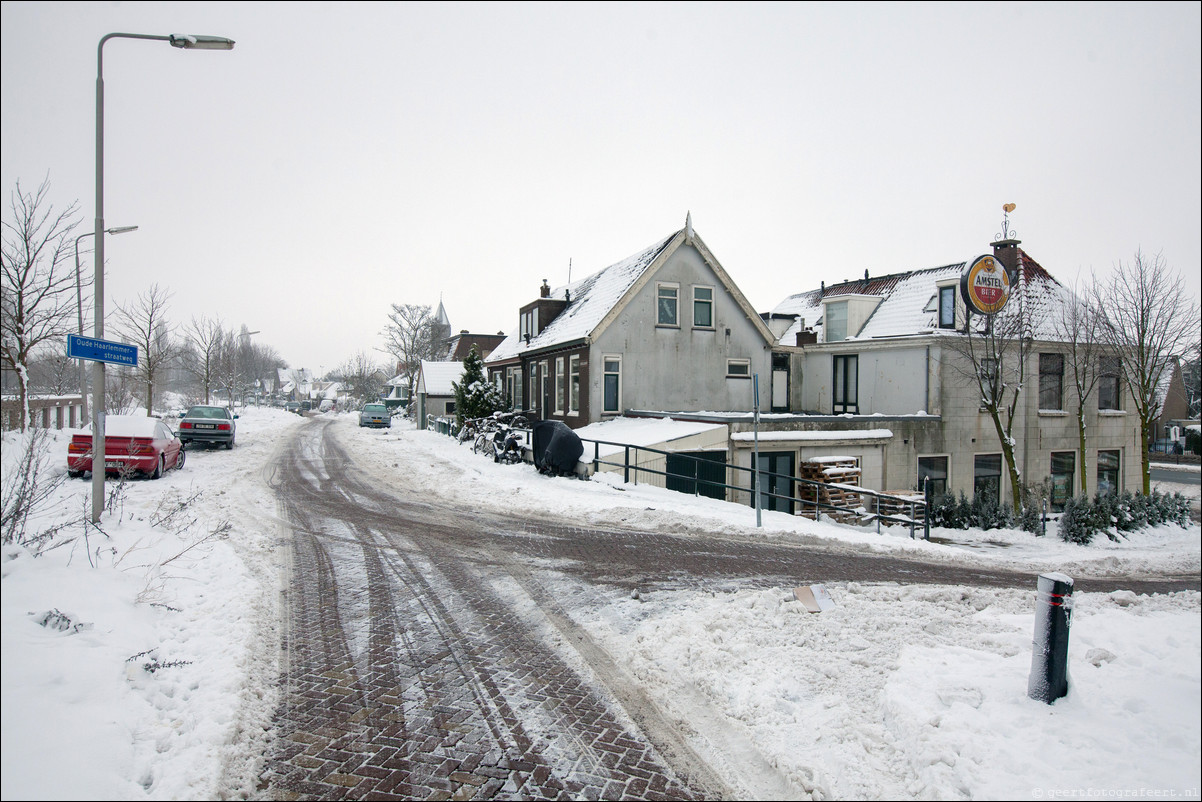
x,y
907,302
595,301
436,378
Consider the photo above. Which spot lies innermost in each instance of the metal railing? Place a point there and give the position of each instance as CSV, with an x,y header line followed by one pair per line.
x,y
632,469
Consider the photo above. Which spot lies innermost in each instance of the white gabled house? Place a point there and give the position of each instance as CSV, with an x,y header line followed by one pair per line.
x,y
664,329
882,355
435,390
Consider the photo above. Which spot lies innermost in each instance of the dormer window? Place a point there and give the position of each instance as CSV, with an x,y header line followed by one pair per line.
x,y
947,307
528,327
834,323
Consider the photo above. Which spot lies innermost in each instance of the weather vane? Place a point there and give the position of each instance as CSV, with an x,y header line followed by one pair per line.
x,y
1006,232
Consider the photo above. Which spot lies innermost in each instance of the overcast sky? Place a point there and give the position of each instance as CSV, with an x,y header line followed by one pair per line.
x,y
348,156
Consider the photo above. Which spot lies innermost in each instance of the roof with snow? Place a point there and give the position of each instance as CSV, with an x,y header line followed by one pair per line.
x,y
591,299
436,378
909,302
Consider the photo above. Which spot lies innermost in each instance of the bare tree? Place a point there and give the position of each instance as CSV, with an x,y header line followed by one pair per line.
x,y
362,377
144,322
994,352
1151,323
37,294
204,336
412,334
1079,327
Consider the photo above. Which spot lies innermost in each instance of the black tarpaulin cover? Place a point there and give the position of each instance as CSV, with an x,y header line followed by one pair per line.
x,y
556,447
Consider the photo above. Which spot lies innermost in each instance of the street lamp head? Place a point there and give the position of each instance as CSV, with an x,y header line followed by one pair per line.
x,y
120,230
201,42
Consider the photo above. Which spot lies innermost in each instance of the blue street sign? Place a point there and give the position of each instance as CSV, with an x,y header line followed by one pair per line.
x,y
101,350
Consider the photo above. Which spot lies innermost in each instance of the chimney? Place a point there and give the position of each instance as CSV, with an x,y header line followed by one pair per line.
x,y
807,337
545,290
1006,252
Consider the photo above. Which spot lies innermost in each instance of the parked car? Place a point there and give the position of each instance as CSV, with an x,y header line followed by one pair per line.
x,y
375,415
292,406
205,424
131,443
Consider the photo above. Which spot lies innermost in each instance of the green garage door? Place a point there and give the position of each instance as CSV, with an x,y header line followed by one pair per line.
x,y
699,472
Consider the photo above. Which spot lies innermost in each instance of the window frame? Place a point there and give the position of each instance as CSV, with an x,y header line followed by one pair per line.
x,y
1110,399
616,375
840,404
947,466
738,363
662,288
706,303
842,306
574,384
560,387
1048,376
1061,489
950,293
987,481
1116,471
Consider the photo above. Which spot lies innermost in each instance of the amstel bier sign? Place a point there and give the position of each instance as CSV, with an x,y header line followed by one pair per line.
x,y
985,285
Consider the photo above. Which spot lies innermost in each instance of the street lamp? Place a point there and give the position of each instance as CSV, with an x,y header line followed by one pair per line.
x,y
83,384
176,40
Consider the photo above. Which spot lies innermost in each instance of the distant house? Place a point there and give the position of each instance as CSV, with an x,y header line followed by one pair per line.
x,y
435,393
665,328
458,347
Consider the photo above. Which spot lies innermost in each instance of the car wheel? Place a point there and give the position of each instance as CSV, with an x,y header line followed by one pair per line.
x,y
181,459
229,445
158,468
75,474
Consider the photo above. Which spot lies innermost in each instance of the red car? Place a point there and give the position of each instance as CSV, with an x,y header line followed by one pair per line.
x,y
131,443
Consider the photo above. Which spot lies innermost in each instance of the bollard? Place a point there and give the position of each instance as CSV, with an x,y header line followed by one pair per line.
x,y
1049,650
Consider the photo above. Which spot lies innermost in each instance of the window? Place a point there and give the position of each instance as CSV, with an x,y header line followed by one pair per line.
x,y
947,307
574,384
1108,383
513,387
738,368
1051,381
846,385
835,322
703,307
665,304
533,385
1108,471
1064,464
935,469
560,380
987,475
612,384
544,388
527,329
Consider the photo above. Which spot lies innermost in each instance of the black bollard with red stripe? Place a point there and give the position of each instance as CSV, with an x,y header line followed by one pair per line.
x,y
1049,651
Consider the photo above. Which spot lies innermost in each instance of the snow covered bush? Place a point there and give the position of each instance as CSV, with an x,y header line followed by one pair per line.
x,y
474,396
28,488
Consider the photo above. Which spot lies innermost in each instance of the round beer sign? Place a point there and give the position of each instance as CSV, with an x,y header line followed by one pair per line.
x,y
985,285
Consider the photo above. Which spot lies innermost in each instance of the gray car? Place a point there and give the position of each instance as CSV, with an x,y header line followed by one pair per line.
x,y
375,415
205,424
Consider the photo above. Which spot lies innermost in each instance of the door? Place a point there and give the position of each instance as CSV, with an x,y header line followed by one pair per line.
x,y
777,469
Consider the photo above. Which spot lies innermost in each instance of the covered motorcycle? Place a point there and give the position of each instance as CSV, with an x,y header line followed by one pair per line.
x,y
557,449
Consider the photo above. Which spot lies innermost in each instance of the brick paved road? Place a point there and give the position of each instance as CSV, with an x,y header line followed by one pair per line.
x,y
409,676
423,659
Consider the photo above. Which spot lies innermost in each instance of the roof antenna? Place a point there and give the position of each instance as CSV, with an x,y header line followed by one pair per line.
x,y
567,292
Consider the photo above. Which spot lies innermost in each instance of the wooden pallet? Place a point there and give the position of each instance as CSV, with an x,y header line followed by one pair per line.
x,y
839,475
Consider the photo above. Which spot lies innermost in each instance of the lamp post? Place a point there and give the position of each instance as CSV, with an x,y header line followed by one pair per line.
x,y
185,42
83,383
